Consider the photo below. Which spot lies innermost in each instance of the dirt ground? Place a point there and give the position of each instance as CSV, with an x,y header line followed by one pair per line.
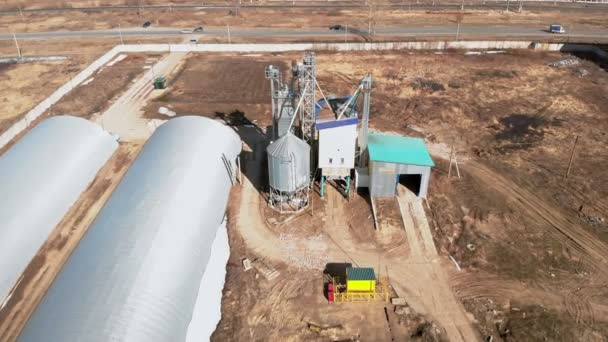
x,y
105,85
50,258
514,217
533,260
26,84
206,86
529,245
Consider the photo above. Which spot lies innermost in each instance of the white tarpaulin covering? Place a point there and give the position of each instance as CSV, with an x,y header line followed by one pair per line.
x,y
135,275
41,177
207,311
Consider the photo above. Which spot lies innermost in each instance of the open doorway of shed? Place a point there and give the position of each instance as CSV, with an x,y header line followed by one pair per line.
x,y
412,182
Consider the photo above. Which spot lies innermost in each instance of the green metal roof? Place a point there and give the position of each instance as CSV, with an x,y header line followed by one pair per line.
x,y
360,273
398,149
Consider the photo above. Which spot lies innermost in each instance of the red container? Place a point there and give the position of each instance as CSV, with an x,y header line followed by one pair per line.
x,y
330,292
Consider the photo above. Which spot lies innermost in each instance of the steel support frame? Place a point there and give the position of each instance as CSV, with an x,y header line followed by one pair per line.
x,y
307,77
274,75
346,180
367,90
290,202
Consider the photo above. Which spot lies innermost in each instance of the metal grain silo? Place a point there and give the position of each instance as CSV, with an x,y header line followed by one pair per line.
x,y
41,177
136,274
288,173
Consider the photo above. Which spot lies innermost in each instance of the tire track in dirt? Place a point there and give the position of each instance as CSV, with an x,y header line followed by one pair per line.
x,y
561,228
594,253
576,301
580,304
578,307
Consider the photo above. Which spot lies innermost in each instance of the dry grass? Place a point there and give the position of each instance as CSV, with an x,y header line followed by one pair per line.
x,y
24,85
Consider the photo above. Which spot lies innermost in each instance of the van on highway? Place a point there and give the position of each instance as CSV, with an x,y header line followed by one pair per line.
x,y
185,31
554,28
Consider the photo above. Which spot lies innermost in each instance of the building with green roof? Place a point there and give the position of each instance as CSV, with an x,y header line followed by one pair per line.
x,y
394,159
360,279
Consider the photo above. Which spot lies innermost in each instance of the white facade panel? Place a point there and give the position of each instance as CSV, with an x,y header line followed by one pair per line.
x,y
337,147
41,177
136,274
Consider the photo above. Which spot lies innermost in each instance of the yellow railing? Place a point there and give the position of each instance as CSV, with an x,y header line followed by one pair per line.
x,y
344,296
353,297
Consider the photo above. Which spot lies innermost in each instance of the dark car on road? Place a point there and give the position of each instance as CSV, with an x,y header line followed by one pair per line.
x,y
147,24
335,27
198,29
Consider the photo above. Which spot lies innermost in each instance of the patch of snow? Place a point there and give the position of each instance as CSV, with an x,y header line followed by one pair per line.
x,y
166,111
154,124
117,59
207,310
88,81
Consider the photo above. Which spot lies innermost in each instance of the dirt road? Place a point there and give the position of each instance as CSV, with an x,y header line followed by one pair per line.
x,y
578,296
125,116
414,267
563,228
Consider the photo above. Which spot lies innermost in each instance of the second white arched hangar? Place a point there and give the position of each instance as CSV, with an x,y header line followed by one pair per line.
x,y
136,273
41,177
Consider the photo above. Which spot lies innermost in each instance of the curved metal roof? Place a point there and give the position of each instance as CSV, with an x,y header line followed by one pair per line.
x,y
135,275
286,146
41,177
288,163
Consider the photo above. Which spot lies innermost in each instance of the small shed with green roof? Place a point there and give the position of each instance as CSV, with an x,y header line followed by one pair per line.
x,y
394,159
360,279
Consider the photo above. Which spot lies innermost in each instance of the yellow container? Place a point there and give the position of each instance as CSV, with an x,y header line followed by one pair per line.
x,y
360,279
361,285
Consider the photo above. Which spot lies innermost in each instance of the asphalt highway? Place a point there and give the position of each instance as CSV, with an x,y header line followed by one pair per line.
x,y
485,31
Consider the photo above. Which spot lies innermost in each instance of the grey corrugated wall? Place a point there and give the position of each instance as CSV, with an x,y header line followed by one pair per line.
x,y
383,178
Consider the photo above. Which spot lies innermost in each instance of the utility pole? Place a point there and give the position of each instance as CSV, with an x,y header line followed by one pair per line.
x,y
571,156
229,41
120,33
21,12
453,160
345,32
17,45
521,5
459,19
462,6
369,21
508,1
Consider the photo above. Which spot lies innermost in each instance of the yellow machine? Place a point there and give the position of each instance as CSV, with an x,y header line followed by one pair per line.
x,y
361,286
